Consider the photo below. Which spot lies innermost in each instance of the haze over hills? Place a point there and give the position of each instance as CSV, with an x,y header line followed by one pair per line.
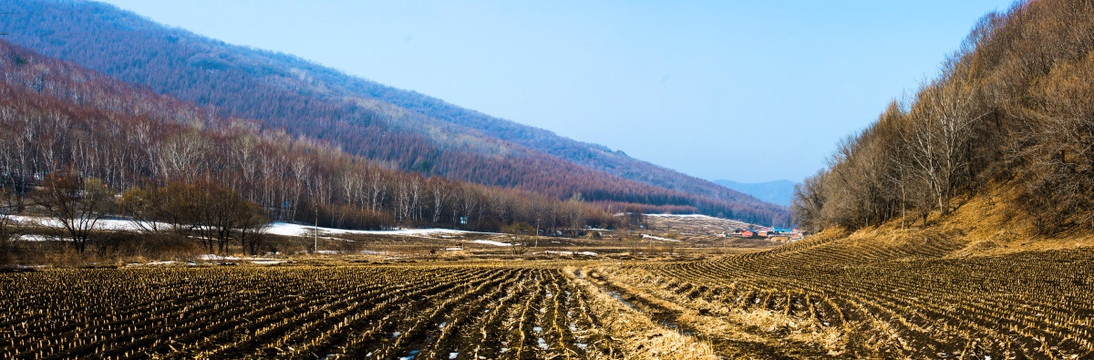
x,y
400,129
779,192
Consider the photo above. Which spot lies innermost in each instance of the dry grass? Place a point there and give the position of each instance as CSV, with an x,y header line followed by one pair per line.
x,y
640,337
983,225
767,333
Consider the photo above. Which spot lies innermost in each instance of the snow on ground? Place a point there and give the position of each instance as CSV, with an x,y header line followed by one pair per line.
x,y
215,257
103,224
491,242
288,229
646,236
40,238
278,228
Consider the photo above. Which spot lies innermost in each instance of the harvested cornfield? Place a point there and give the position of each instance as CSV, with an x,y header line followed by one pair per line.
x,y
825,299
352,312
806,300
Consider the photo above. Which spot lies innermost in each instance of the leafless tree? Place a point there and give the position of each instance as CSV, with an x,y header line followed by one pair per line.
x,y
145,207
809,201
938,133
179,156
76,202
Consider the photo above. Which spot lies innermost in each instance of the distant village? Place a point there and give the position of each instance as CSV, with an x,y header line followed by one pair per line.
x,y
775,234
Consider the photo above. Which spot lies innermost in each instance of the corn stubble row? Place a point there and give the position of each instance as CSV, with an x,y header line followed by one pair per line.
x,y
805,300
820,300
462,312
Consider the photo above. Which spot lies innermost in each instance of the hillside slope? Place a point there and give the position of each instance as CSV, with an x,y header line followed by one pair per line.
x,y
1010,112
57,118
401,129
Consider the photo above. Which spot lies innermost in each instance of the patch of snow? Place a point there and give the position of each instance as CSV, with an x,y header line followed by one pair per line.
x,y
277,228
582,346
453,355
287,229
102,224
327,252
215,257
537,329
491,242
542,344
41,238
372,252
661,239
453,249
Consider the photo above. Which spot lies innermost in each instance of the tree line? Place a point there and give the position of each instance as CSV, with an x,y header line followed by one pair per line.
x,y
69,134
1013,109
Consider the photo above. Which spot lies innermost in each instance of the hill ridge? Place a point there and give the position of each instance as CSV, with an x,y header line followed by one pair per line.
x,y
400,128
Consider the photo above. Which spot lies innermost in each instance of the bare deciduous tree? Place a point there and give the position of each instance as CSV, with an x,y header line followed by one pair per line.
x,y
938,133
76,202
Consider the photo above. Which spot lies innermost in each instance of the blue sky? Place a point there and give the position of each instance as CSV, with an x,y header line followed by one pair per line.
x,y
743,90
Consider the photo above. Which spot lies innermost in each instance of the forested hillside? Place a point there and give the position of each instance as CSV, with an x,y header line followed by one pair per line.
x,y
399,129
58,118
1010,118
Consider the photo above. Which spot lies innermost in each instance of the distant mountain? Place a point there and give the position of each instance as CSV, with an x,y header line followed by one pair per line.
x,y
779,192
403,130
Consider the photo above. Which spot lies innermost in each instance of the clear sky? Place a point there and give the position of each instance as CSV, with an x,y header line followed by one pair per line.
x,y
743,90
